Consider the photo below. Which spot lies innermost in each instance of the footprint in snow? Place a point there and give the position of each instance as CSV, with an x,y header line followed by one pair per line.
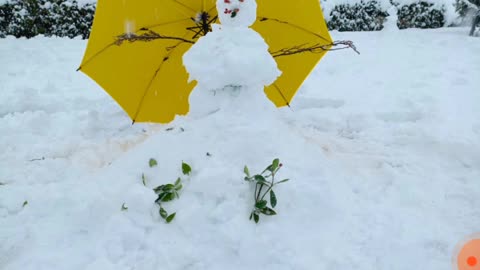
x,y
303,103
400,117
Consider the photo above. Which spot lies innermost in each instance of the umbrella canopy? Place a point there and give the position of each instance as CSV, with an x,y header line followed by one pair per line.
x,y
136,46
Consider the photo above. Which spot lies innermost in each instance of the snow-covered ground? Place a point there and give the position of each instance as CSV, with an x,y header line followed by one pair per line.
x,y
382,149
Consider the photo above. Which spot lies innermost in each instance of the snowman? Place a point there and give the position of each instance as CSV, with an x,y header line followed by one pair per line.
x,y
231,64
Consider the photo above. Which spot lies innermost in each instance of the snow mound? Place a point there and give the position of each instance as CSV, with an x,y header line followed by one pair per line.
x,y
384,162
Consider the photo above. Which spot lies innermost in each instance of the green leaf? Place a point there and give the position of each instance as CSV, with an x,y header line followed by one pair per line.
x,y
170,218
261,204
25,203
273,199
152,162
246,171
144,180
186,169
256,217
268,211
179,180
251,216
168,197
168,187
283,181
275,164
177,188
163,213
158,189
260,179
124,207
161,195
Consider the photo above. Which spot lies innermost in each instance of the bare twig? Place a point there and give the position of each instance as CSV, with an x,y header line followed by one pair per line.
x,y
146,37
315,48
37,159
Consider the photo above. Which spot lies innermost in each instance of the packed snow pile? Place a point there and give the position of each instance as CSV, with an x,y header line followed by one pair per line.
x,y
235,55
232,54
382,151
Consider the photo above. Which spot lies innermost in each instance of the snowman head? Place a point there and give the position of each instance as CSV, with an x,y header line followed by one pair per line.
x,y
241,13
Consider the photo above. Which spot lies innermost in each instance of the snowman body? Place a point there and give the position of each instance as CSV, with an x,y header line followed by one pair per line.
x,y
230,63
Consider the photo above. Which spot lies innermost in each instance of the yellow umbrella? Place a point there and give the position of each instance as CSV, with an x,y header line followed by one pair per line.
x,y
136,46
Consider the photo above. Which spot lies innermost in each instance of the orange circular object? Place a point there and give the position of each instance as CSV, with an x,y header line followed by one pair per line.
x,y
472,261
468,256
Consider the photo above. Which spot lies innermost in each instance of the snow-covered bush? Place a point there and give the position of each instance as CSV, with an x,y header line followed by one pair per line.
x,y
421,14
28,18
6,15
466,9
361,16
72,20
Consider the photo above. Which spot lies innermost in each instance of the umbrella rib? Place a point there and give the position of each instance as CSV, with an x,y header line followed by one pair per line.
x,y
185,6
115,42
95,55
163,24
167,56
281,94
212,8
262,19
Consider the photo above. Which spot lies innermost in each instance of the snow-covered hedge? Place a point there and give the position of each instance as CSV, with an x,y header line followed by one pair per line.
x,y
361,16
466,10
28,18
369,15
421,14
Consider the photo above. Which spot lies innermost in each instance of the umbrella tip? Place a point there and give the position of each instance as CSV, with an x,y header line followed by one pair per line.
x,y
79,68
133,122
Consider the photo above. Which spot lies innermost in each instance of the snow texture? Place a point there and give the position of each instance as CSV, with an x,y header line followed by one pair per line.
x,y
382,149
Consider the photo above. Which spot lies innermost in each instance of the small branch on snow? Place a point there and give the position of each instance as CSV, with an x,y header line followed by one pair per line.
x,y
316,48
146,37
37,159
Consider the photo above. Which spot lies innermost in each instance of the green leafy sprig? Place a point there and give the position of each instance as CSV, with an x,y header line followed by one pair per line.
x,y
264,183
169,192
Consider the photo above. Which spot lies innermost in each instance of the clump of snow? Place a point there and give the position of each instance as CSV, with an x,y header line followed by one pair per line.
x,y
232,54
237,12
391,21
